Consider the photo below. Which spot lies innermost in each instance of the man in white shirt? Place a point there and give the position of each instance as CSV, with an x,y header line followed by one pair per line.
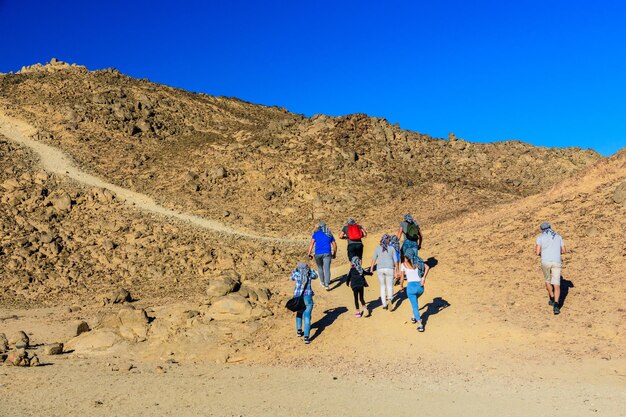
x,y
550,246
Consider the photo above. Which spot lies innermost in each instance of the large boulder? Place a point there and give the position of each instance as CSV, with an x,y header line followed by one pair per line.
x,y
133,324
230,307
223,285
94,341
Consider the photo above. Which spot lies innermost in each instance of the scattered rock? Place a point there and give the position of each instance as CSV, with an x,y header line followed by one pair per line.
x,y
4,343
80,327
17,357
53,349
121,296
619,196
20,340
62,202
223,285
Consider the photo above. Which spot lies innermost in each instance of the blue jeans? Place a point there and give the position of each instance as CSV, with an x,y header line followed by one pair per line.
x,y
323,268
409,250
413,291
306,315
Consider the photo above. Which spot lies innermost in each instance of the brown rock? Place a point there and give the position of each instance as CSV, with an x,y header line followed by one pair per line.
x,y
223,285
4,343
62,202
619,196
231,306
94,341
17,357
121,296
20,340
133,324
80,327
53,349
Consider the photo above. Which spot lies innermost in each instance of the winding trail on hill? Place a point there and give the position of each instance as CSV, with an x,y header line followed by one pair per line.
x,y
57,162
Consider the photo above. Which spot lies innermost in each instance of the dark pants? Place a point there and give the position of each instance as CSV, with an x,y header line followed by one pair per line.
x,y
358,294
355,249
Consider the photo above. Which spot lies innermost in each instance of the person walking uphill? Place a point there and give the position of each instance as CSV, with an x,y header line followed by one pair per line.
x,y
550,246
353,232
386,259
325,250
415,275
302,276
356,281
412,237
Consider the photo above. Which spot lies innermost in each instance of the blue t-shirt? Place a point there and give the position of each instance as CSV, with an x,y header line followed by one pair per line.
x,y
322,243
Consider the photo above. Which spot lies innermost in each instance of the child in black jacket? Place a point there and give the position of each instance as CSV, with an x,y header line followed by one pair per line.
x,y
356,281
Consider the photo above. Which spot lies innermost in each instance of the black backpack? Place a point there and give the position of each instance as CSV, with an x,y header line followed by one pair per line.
x,y
412,232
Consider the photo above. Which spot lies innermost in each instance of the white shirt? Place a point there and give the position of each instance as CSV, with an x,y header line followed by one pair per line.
x,y
412,275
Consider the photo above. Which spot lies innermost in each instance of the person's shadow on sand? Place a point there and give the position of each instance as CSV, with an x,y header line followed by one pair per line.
x,y
565,286
433,308
330,316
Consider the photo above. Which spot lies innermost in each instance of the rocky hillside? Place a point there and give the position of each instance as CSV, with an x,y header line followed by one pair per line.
x,y
266,169
60,242
492,254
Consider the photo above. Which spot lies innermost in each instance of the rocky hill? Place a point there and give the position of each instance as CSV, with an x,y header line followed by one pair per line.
x,y
263,168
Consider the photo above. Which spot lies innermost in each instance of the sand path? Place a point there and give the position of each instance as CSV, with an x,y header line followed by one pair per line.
x,y
55,161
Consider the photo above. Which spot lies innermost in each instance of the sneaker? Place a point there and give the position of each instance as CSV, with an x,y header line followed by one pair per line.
x,y
551,301
420,328
556,309
366,312
328,288
307,340
413,321
358,314
299,333
385,307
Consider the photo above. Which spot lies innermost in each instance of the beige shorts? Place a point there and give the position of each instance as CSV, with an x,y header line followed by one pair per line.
x,y
551,272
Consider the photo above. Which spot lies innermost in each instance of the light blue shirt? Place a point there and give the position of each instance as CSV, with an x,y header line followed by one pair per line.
x,y
550,247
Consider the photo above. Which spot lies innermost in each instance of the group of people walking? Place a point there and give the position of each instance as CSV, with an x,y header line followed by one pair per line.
x,y
393,264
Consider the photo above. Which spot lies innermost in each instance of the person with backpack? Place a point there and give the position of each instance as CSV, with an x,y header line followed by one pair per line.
x,y
385,258
325,250
302,276
353,232
550,247
356,280
415,276
412,237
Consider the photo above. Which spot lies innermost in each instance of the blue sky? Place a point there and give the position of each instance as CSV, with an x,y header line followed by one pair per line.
x,y
551,73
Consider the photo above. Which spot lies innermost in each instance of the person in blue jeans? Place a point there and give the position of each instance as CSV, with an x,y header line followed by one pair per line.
x,y
416,279
325,250
412,237
303,275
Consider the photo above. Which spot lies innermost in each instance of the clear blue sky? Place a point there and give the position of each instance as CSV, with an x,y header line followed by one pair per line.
x,y
551,73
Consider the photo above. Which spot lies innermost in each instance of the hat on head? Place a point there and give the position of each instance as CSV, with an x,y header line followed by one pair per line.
x,y
544,226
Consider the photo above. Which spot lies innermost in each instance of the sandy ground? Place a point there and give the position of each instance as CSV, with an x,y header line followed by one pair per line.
x,y
470,361
355,366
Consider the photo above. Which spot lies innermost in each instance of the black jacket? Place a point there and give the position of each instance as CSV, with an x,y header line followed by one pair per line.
x,y
356,280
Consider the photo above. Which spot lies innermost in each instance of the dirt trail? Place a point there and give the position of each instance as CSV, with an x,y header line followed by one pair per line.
x,y
55,161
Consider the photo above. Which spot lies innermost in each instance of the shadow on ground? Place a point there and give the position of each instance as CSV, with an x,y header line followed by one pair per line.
x,y
329,318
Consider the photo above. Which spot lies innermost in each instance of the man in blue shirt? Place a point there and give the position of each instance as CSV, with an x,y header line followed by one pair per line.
x,y
325,250
550,246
